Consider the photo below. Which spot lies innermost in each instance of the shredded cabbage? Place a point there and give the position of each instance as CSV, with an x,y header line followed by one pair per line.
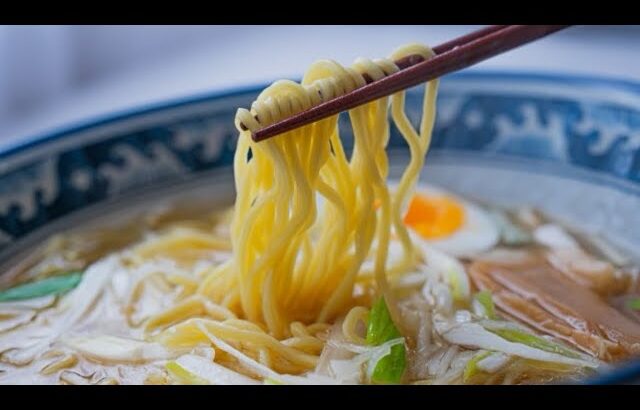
x,y
117,349
494,362
451,270
483,305
31,339
510,233
554,237
350,370
13,319
476,336
471,369
517,336
182,375
484,361
35,303
194,369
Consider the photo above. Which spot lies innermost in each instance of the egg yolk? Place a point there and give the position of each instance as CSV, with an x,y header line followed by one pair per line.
x,y
434,217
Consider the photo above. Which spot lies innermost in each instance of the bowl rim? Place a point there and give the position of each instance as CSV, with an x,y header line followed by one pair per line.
x,y
118,115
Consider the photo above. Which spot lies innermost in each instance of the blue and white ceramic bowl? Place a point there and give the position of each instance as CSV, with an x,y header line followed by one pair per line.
x,y
568,145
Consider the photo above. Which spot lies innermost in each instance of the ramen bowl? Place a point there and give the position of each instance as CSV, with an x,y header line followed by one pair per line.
x,y
567,145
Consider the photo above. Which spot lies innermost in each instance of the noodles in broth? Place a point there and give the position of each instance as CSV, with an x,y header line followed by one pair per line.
x,y
322,273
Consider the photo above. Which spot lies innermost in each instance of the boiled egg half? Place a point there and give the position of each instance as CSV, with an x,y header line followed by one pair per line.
x,y
449,223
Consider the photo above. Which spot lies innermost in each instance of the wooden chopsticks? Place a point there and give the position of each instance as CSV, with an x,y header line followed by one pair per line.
x,y
451,56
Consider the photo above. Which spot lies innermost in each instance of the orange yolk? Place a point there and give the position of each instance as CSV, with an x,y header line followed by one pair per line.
x,y
434,217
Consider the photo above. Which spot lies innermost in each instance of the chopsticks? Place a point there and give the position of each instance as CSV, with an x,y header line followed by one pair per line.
x,y
451,56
